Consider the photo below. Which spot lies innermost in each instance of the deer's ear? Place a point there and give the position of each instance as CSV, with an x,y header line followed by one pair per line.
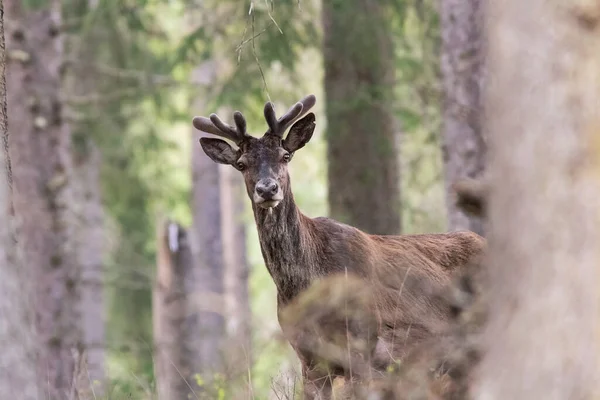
x,y
300,133
218,150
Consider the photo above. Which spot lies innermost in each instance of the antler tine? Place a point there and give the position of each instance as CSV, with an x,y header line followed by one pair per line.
x,y
308,102
216,126
222,125
288,117
270,116
240,123
279,126
205,125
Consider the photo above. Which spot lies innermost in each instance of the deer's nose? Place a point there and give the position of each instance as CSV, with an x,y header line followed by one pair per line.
x,y
267,188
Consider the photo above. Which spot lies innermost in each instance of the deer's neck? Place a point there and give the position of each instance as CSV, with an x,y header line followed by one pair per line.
x,y
284,234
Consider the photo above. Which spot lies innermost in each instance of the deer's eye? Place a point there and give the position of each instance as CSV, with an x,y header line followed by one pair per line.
x,y
240,165
287,157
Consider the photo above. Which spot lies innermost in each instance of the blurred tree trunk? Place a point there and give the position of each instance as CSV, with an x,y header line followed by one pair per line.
x,y
544,130
207,245
462,65
90,251
90,234
18,341
176,322
41,164
236,276
363,169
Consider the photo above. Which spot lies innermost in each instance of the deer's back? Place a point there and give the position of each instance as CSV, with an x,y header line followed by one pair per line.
x,y
432,257
450,250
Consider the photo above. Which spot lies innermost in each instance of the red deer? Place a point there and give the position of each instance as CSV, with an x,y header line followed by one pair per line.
x,y
299,251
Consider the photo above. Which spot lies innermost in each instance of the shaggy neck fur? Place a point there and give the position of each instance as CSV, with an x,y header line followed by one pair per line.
x,y
284,234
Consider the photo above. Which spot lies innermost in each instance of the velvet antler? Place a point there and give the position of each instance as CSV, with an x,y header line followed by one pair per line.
x,y
278,126
216,126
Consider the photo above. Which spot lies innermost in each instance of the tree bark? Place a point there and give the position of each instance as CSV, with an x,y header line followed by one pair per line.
x,y
207,247
90,237
90,252
237,299
207,251
363,169
41,165
462,70
544,130
18,341
176,322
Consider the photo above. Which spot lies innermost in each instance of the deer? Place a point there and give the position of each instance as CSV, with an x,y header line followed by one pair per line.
x,y
402,270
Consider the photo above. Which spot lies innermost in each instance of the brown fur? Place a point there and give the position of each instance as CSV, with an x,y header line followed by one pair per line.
x,y
403,272
438,367
442,366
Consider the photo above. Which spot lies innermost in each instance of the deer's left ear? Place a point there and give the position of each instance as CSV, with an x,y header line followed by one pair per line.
x,y
300,133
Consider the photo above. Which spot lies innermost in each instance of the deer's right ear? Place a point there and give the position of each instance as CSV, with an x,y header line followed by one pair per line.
x,y
218,150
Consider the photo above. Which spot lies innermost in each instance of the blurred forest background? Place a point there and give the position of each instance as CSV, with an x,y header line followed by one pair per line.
x,y
101,94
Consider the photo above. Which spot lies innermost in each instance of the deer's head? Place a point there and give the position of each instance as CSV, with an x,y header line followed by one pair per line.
x,y
263,161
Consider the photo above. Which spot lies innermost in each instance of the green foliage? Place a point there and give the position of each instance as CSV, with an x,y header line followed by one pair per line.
x,y
418,93
216,388
35,4
252,38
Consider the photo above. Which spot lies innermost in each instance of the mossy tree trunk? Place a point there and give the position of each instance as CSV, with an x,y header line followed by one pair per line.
x,y
363,169
462,68
18,341
40,152
544,129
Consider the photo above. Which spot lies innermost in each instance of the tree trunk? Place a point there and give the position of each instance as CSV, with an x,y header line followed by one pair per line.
x,y
41,164
176,322
462,65
363,169
544,131
18,341
90,233
237,299
207,247
90,251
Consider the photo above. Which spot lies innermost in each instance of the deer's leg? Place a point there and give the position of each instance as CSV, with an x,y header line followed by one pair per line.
x,y
317,386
